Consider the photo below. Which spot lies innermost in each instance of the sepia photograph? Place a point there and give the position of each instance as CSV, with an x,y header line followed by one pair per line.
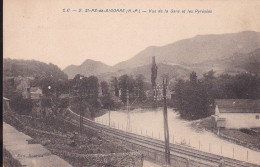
x,y
131,83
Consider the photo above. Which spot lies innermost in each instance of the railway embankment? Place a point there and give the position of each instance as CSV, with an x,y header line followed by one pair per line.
x,y
62,139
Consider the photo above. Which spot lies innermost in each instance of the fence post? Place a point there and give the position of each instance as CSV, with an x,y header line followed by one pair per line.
x,y
233,152
209,147
152,134
159,135
173,139
247,155
221,149
199,144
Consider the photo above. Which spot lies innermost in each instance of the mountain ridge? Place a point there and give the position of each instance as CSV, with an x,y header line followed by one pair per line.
x,y
197,49
88,67
186,52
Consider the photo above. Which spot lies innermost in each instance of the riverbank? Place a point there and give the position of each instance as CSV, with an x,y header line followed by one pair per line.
x,y
237,136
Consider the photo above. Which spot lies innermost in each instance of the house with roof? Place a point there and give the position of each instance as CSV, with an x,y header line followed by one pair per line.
x,y
237,113
35,93
22,84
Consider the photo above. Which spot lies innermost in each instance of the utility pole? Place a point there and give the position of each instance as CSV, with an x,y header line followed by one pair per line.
x,y
69,97
80,115
128,110
153,80
166,130
109,115
81,108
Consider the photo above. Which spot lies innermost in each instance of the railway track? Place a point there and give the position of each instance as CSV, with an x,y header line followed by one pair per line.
x,y
207,159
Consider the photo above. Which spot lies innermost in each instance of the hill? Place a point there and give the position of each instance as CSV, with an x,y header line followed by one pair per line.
x,y
222,53
196,50
173,71
31,68
239,62
87,68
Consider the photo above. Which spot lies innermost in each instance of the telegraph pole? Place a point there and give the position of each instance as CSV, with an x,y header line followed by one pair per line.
x,y
81,108
128,110
166,130
153,80
80,117
109,115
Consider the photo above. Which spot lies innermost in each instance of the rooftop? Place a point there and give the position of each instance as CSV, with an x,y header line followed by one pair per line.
x,y
238,105
34,89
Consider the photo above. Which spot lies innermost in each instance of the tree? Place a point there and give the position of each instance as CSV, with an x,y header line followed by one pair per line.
x,y
45,103
45,84
127,83
209,82
106,99
154,73
20,105
191,98
115,84
246,86
92,87
107,102
123,85
193,78
104,88
140,86
153,79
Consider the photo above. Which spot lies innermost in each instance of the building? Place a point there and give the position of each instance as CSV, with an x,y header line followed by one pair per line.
x,y
22,84
237,113
6,105
35,93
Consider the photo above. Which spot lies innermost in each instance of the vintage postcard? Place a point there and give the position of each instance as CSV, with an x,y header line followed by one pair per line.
x,y
131,83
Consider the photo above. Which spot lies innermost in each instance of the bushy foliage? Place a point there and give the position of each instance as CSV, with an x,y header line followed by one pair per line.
x,y
115,85
135,87
194,98
32,68
85,93
191,99
20,105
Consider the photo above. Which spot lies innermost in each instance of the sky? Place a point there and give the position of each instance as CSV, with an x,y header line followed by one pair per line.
x,y
40,30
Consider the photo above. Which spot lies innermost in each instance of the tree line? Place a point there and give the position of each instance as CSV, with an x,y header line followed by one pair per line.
x,y
86,93
194,98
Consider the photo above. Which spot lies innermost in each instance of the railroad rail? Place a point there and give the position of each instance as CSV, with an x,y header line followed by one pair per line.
x,y
153,149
